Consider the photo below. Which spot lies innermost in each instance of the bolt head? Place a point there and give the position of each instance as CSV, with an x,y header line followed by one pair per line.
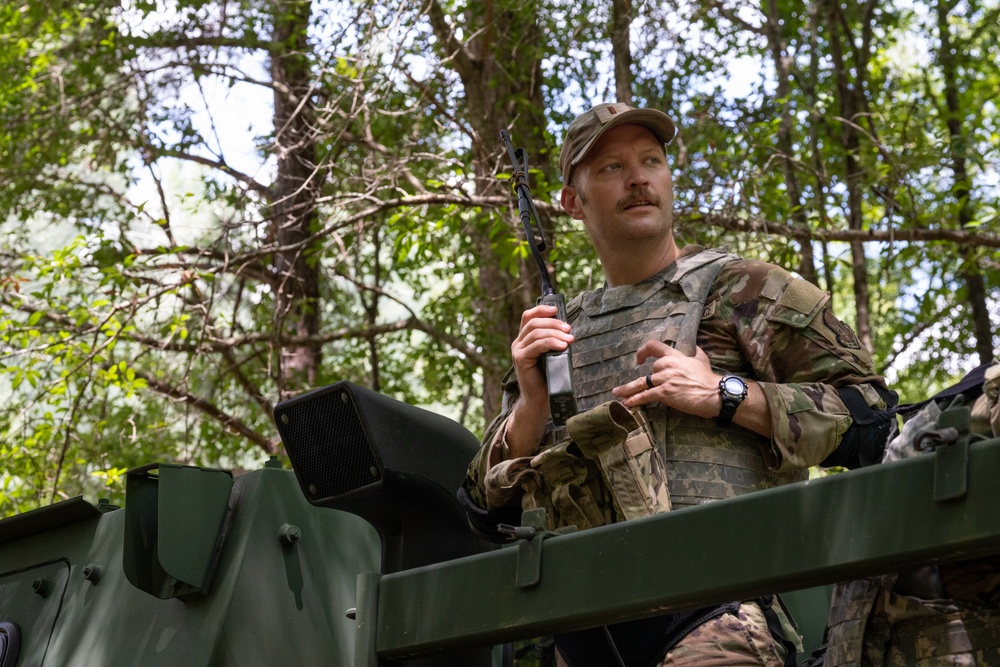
x,y
92,573
289,533
40,586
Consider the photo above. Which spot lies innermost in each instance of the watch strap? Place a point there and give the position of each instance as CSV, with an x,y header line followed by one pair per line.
x,y
730,401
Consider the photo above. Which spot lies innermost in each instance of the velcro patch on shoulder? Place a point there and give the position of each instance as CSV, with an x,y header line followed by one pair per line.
x,y
774,285
799,303
803,297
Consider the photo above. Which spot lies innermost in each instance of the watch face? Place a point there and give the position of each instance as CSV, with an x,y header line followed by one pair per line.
x,y
735,386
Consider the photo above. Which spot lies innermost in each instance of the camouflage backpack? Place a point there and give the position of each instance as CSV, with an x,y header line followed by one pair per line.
x,y
913,617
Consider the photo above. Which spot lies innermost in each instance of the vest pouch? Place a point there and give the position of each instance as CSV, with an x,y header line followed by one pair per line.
x,y
856,632
959,637
568,486
629,462
508,480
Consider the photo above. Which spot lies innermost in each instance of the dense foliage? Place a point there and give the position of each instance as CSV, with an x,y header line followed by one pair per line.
x,y
207,206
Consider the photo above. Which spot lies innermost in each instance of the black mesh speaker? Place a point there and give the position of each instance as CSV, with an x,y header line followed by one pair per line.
x,y
393,464
326,440
396,465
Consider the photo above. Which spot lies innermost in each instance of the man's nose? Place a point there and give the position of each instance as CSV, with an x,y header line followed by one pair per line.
x,y
636,176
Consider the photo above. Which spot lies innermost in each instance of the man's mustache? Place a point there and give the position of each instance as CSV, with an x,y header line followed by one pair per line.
x,y
644,196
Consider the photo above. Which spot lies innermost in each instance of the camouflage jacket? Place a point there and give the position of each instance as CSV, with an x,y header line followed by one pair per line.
x,y
762,323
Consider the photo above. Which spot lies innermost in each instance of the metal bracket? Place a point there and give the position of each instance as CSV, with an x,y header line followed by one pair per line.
x,y
530,535
951,454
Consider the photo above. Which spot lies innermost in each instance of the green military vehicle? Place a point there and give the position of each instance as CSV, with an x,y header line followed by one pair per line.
x,y
363,557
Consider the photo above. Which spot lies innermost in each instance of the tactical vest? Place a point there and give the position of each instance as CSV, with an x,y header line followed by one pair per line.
x,y
703,462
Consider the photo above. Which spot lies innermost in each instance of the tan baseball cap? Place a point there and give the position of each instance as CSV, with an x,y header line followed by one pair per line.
x,y
588,127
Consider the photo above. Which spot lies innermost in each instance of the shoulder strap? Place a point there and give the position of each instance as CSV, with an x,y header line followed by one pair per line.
x,y
573,307
697,284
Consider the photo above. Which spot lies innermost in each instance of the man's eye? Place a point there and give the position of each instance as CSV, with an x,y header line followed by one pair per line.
x,y
612,167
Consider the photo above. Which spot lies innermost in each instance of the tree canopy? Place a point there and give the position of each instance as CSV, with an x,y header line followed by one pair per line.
x,y
208,206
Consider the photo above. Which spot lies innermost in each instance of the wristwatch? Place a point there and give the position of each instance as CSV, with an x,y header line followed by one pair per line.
x,y
733,390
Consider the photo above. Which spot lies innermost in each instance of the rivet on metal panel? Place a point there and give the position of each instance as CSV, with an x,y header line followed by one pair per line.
x,y
289,534
92,573
41,586
352,613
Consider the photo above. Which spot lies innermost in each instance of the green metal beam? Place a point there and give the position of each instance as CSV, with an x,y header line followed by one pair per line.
x,y
840,527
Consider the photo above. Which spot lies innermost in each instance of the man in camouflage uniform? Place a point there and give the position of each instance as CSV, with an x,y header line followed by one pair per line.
x,y
928,616
658,341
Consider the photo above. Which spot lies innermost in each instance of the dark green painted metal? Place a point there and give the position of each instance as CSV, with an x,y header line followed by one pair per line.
x,y
192,507
268,603
367,620
46,518
810,608
844,526
282,573
529,552
952,459
173,525
34,613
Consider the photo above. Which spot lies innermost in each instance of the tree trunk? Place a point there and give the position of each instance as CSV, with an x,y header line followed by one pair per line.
x,y
975,289
500,69
621,48
848,93
819,166
786,139
292,213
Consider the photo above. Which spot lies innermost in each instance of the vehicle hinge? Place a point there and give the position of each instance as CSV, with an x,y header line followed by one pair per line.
x,y
530,535
950,442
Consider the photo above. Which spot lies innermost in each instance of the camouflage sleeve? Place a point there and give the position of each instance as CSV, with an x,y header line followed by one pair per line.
x,y
490,452
493,480
763,323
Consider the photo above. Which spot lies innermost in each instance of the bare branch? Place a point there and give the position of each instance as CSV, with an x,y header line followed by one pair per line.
x,y
221,165
915,235
166,39
230,422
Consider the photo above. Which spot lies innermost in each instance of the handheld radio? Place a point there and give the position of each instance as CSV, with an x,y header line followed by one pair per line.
x,y
558,366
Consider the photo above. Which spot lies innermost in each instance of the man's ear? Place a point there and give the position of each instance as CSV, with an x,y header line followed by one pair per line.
x,y
571,201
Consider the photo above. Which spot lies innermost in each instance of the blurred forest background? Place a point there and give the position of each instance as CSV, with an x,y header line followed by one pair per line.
x,y
208,206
